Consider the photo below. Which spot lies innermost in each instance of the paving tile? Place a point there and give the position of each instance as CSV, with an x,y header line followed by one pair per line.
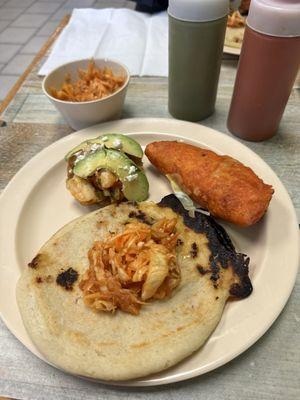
x,y
58,16
6,83
48,28
21,4
67,8
53,1
116,4
10,13
79,3
108,3
34,45
43,8
130,5
3,24
16,35
30,20
18,64
7,51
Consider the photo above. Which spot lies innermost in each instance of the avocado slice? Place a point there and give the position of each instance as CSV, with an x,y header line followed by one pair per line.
x,y
135,185
111,141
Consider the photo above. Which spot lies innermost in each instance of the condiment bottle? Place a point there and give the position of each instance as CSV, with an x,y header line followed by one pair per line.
x,y
196,38
268,66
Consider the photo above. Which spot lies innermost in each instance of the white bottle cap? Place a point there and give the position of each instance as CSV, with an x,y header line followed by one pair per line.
x,y
275,17
198,10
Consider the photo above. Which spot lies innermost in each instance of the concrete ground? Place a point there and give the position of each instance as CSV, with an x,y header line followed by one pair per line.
x,y
25,26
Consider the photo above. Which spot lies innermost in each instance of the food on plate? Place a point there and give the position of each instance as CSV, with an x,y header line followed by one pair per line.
x,y
92,84
106,169
96,304
136,265
220,184
234,37
235,30
236,20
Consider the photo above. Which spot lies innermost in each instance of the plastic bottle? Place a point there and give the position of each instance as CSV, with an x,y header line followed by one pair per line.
x,y
268,66
196,38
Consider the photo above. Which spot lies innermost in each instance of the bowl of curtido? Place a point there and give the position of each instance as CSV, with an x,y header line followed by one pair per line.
x,y
87,92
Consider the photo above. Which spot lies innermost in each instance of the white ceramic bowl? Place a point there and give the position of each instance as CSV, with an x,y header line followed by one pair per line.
x,y
80,115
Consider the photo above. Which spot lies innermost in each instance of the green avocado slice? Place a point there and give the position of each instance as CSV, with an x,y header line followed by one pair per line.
x,y
111,141
135,184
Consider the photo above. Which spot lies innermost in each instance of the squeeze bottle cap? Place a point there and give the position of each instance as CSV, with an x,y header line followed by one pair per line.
x,y
275,17
198,10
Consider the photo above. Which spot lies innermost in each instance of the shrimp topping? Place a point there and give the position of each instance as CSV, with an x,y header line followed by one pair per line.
x,y
129,268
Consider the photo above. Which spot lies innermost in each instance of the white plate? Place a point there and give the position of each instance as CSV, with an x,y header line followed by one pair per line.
x,y
36,204
232,50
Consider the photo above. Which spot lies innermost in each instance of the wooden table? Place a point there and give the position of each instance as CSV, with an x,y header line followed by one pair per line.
x,y
268,370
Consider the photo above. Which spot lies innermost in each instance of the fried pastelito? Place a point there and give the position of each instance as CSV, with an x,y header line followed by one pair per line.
x,y
224,186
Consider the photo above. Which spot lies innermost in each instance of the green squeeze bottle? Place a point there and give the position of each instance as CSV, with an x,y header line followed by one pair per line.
x,y
196,39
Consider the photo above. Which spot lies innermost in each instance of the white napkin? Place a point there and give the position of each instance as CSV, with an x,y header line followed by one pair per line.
x,y
138,40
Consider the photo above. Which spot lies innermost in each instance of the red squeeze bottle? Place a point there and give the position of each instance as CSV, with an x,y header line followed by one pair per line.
x,y
268,66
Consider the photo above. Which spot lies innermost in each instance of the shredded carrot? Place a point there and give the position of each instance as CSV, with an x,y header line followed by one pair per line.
x,y
122,267
92,84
